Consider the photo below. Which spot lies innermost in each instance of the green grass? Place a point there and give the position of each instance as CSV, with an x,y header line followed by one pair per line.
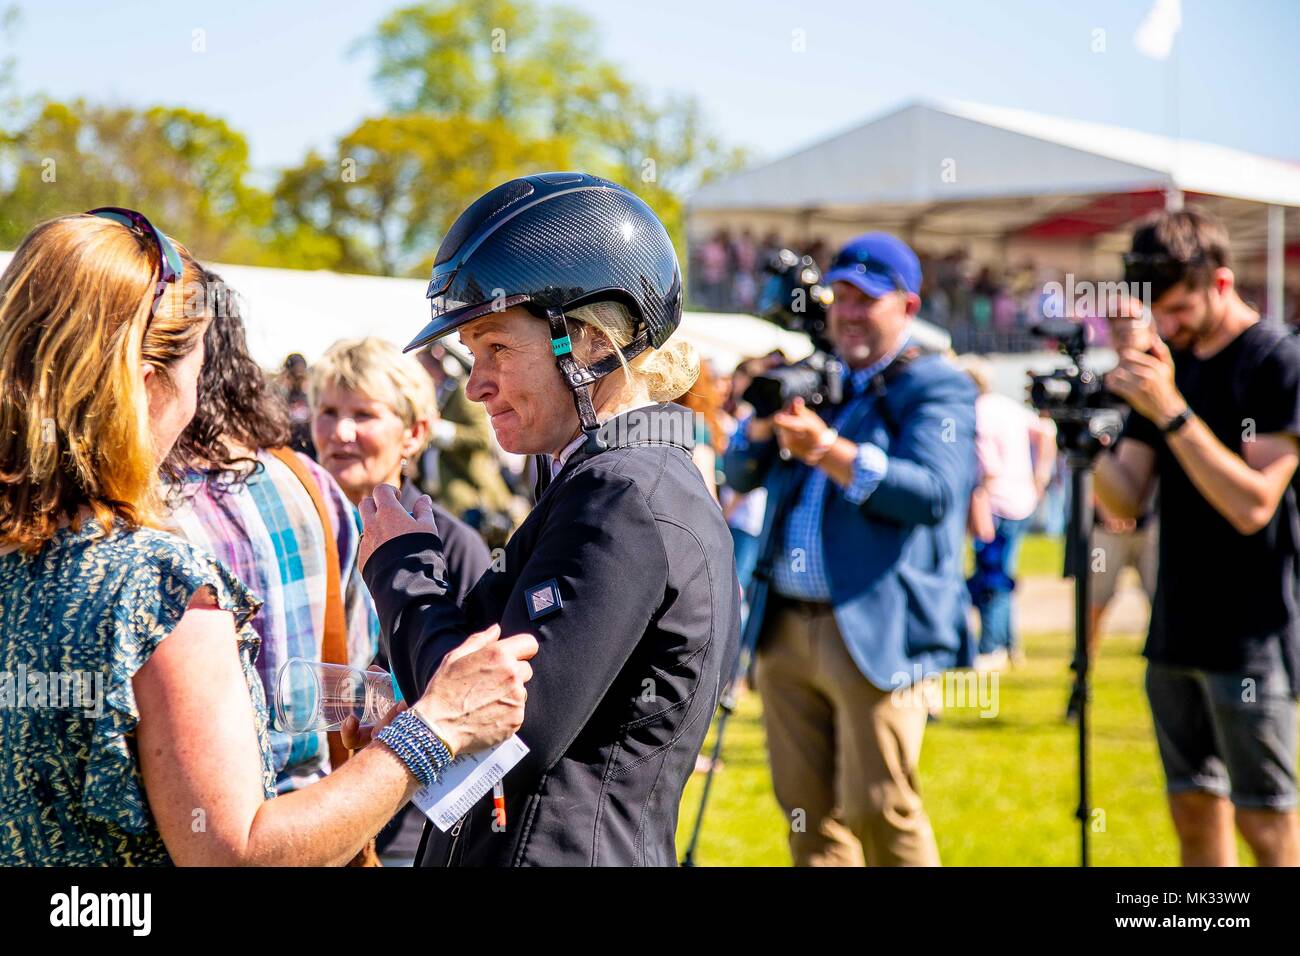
x,y
1001,790
1040,556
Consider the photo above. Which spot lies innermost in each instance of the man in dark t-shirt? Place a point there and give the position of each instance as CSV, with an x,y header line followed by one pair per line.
x,y
1217,415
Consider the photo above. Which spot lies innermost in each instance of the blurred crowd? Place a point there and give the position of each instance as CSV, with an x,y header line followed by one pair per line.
x,y
985,307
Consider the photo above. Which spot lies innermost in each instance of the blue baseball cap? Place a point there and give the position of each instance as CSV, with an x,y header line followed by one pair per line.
x,y
878,264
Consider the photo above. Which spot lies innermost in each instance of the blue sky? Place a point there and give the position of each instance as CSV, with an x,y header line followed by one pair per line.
x,y
286,73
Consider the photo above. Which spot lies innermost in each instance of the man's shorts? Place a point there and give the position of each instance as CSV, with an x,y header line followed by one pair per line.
x,y
1136,549
1232,735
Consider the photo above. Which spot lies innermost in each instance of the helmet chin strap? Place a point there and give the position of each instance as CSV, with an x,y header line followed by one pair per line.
x,y
580,378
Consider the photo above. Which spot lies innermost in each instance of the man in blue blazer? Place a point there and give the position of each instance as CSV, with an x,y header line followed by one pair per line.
x,y
860,592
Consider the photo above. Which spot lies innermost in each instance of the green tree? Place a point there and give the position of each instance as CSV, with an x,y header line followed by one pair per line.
x,y
186,170
395,184
10,103
479,91
500,60
539,70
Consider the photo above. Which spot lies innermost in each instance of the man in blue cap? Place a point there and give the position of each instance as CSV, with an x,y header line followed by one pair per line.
x,y
862,560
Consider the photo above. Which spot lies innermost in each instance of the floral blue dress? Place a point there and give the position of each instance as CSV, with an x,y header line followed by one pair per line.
x,y
77,621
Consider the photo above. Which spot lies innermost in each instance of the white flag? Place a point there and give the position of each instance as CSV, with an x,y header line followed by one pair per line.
x,y
1155,35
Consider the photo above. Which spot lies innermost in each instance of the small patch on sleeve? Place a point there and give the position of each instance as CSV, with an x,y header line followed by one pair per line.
x,y
543,599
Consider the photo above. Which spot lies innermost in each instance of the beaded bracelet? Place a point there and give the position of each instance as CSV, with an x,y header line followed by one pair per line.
x,y
437,734
416,746
432,741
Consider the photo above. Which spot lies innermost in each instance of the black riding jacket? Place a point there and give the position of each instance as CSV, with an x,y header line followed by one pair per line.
x,y
632,654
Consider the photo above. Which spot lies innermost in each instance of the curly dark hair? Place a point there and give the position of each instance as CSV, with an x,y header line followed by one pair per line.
x,y
236,400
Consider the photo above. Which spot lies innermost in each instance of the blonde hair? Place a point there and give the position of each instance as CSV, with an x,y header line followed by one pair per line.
x,y
380,370
76,323
667,372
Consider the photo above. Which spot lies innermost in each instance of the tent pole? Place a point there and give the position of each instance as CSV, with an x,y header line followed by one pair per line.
x,y
1276,276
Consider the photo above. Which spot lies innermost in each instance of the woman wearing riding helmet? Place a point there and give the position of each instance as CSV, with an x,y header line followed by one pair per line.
x,y
566,283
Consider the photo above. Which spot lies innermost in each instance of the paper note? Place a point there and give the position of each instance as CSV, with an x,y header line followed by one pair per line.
x,y
466,780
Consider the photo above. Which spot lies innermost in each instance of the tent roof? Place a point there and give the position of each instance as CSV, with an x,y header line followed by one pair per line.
x,y
946,152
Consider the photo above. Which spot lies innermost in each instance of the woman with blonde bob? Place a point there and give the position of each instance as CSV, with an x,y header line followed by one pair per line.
x,y
371,412
141,702
566,289
372,409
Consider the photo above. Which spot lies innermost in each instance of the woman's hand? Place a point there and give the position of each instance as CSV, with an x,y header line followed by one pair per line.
x,y
383,518
476,697
356,735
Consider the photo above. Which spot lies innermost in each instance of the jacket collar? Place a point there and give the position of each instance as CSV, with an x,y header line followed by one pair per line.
x,y
660,424
860,378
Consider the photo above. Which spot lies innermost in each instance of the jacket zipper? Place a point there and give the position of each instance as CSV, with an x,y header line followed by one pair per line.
x,y
455,839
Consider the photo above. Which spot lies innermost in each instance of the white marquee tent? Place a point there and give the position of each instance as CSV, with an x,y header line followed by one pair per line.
x,y
1006,182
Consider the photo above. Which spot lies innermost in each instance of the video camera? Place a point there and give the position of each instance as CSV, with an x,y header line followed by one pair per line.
x,y
1087,416
795,299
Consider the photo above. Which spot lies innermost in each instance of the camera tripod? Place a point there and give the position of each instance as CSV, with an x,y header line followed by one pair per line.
x,y
1081,437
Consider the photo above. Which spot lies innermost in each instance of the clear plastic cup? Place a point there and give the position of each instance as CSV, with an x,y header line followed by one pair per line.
x,y
311,696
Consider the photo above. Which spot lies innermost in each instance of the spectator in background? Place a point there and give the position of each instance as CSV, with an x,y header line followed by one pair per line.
x,y
981,303
277,520
744,284
1021,285
713,267
293,383
710,436
959,282
862,544
721,398
820,252
1017,454
373,408
940,307
743,511
1004,311
1218,427
768,247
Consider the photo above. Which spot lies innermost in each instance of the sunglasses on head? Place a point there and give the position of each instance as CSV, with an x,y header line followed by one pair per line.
x,y
866,264
169,259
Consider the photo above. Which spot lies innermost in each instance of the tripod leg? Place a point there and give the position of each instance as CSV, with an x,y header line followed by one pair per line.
x,y
725,708
1081,538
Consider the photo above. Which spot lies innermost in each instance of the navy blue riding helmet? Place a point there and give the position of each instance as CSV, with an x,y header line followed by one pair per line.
x,y
551,243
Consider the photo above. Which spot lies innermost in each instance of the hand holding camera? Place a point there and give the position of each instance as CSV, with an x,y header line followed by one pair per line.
x,y
802,433
1146,381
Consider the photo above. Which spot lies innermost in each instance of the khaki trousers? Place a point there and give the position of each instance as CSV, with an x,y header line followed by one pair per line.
x,y
843,752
